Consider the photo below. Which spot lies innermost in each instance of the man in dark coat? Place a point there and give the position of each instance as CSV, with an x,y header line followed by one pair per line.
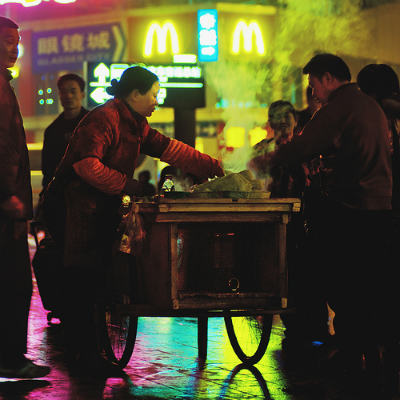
x,y
71,90
351,130
15,211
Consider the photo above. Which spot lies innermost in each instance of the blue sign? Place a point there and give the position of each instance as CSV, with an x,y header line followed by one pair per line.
x,y
207,35
67,49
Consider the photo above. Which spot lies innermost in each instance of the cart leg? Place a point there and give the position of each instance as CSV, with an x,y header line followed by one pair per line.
x,y
202,336
261,339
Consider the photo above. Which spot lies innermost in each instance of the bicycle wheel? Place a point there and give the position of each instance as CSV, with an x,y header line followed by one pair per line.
x,y
249,336
119,335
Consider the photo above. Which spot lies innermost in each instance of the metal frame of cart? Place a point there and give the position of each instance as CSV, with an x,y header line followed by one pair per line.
x,y
160,287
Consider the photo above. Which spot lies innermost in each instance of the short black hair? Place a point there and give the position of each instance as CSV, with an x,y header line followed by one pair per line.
x,y
71,77
7,23
379,80
132,78
326,62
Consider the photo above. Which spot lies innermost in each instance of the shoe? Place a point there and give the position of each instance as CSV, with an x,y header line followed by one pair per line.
x,y
27,369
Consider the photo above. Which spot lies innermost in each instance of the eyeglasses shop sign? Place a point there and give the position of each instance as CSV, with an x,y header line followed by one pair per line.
x,y
67,49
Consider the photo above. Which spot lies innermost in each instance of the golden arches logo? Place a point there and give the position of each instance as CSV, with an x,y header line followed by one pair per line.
x,y
247,31
161,33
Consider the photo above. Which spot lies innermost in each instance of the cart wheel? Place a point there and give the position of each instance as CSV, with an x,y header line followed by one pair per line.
x,y
253,334
119,335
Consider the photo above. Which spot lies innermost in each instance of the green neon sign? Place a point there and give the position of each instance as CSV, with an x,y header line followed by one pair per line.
x,y
181,86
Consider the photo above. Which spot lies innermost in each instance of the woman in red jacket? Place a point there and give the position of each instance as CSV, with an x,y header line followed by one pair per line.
x,y
96,169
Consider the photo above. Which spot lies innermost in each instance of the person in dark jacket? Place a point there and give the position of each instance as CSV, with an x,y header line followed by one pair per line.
x,y
96,170
351,129
15,211
71,90
381,82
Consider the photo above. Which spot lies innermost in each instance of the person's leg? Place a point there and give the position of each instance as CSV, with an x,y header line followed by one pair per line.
x,y
15,297
360,284
78,311
16,289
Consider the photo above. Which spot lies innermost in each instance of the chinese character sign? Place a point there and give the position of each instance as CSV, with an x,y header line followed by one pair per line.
x,y
68,49
207,35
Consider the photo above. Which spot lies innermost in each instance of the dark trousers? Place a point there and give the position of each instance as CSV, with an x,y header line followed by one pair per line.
x,y
307,287
355,245
80,295
15,289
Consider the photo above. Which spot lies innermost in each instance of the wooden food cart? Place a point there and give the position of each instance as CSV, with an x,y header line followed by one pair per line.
x,y
205,257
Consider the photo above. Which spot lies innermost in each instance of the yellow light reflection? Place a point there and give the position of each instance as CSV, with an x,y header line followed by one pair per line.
x,y
256,135
235,136
14,71
35,146
199,144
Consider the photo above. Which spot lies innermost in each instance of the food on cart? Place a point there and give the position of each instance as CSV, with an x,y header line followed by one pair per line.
x,y
240,184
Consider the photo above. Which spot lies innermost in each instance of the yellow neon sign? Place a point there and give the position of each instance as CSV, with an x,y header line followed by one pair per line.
x,y
247,31
161,32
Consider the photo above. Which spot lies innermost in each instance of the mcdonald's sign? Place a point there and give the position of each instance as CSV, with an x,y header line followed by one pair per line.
x,y
161,33
247,31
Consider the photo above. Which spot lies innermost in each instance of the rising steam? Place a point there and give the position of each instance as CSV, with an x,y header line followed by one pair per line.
x,y
302,28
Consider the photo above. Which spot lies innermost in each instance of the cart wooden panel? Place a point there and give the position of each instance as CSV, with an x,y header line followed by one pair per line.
x,y
186,238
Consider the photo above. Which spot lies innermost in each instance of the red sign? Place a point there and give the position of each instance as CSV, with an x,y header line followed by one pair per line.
x,y
31,3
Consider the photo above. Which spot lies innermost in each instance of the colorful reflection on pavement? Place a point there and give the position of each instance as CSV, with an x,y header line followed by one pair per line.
x,y
164,364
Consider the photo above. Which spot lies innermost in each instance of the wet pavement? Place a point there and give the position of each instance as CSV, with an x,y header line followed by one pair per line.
x,y
164,365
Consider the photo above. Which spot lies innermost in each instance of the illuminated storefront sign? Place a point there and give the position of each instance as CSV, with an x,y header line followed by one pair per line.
x,y
31,3
161,34
180,85
207,35
67,49
247,31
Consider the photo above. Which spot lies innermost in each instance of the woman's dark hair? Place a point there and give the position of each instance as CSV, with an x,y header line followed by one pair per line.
x,y
378,80
326,62
132,78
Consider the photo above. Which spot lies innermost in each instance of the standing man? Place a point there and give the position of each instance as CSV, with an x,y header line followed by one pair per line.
x,y
15,211
350,130
71,90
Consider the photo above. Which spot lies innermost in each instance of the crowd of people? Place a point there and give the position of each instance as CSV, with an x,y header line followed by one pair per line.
x,y
340,155
343,259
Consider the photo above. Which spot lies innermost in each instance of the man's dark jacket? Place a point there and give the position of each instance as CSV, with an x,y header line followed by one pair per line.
x,y
56,138
15,177
352,130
